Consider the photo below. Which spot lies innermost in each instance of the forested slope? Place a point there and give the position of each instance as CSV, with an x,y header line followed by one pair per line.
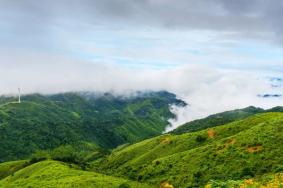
x,y
44,122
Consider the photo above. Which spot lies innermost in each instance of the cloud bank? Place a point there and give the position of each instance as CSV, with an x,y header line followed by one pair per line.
x,y
207,90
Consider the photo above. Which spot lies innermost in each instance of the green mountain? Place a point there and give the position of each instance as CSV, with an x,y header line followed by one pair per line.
x,y
71,139
235,152
43,122
222,119
57,174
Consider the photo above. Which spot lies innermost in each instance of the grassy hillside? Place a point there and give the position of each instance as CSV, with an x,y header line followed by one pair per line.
x,y
236,151
274,180
9,168
56,174
221,119
47,122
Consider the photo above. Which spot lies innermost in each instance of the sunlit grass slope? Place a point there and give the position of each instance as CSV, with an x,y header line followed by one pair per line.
x,y
240,150
273,180
56,174
9,168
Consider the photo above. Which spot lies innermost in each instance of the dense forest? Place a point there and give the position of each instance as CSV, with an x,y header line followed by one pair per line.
x,y
42,122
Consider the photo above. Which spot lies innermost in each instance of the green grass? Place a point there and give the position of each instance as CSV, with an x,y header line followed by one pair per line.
x,y
273,180
239,150
56,174
11,167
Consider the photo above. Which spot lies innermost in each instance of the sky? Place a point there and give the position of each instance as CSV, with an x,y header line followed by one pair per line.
x,y
216,55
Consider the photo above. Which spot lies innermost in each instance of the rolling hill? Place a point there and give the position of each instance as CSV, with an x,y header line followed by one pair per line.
x,y
9,168
235,152
57,174
43,122
69,140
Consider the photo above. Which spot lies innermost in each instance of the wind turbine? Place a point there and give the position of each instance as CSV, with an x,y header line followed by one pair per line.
x,y
19,90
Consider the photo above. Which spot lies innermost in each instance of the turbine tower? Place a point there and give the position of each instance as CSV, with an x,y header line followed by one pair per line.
x,y
19,90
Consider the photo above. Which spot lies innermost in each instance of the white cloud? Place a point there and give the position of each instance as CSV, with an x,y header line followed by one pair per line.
x,y
231,90
207,90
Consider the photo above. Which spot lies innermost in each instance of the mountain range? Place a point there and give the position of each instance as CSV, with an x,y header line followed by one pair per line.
x,y
103,140
42,122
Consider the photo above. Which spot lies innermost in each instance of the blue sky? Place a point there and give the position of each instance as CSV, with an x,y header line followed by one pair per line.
x,y
147,47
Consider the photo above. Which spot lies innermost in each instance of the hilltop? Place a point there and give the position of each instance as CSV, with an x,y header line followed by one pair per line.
x,y
57,174
222,118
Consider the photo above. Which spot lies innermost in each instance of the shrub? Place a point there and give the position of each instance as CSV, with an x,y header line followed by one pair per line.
x,y
157,162
39,156
200,138
65,154
124,185
247,172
